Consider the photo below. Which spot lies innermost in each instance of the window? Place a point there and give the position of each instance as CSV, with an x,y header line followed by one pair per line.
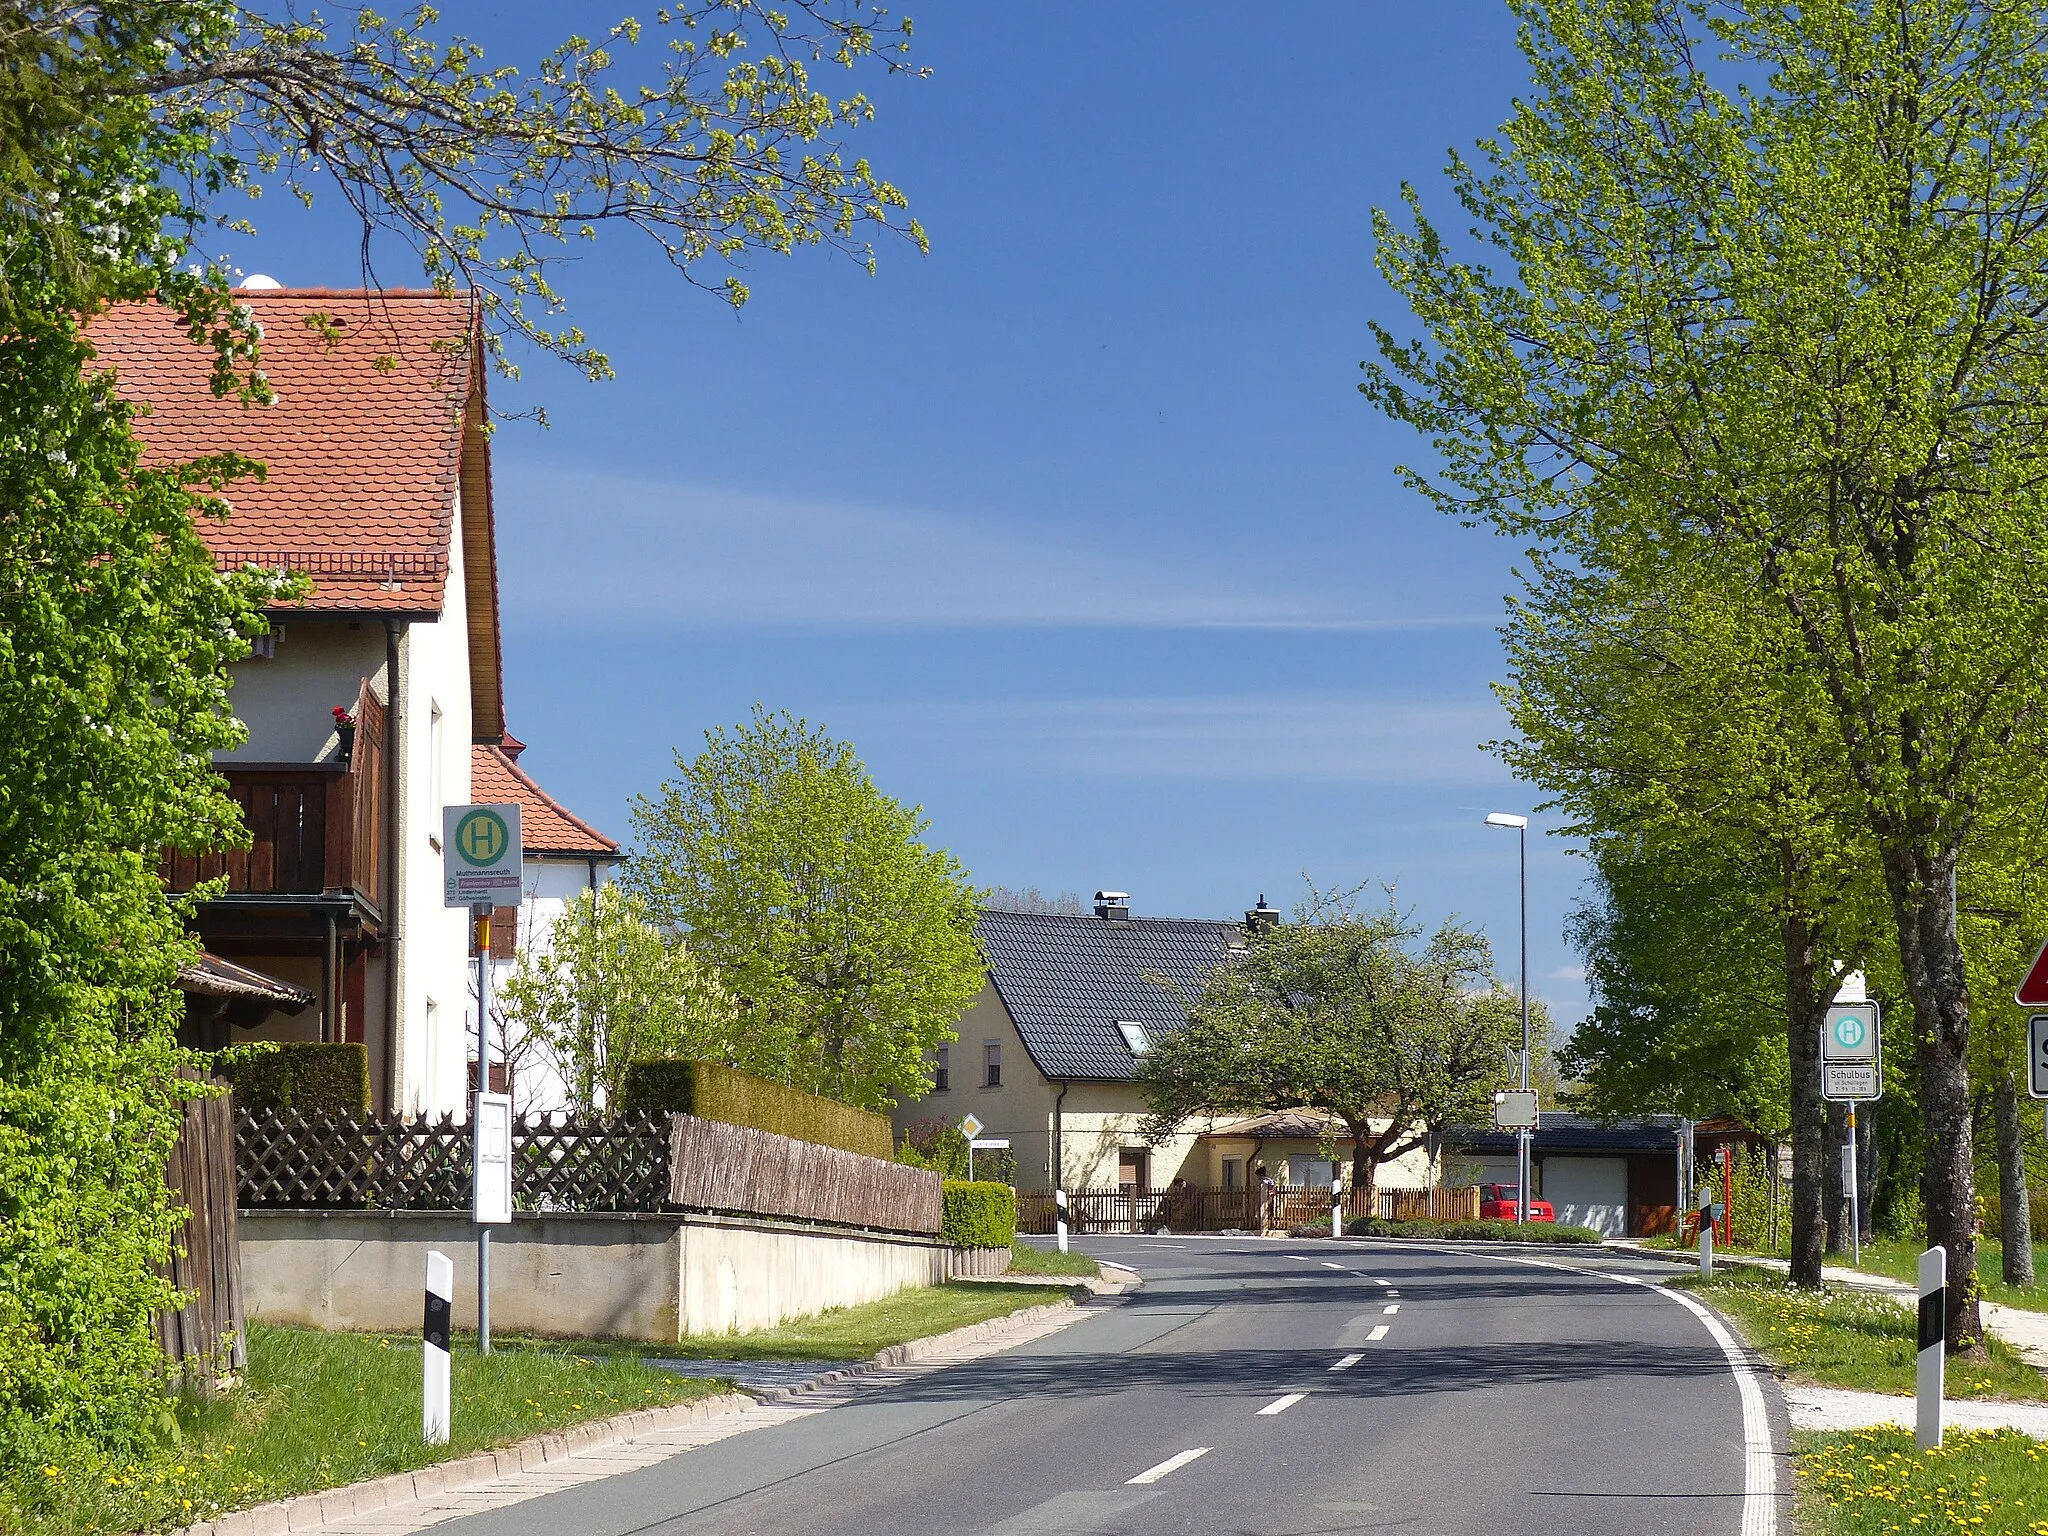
x,y
437,784
992,1064
1309,1172
942,1072
1130,1168
1134,1036
1233,1173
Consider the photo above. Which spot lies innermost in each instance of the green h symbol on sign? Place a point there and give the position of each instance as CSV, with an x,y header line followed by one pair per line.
x,y
482,837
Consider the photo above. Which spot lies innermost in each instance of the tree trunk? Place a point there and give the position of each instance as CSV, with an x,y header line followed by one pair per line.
x,y
1922,889
2016,1220
1365,1164
1866,1175
1804,1008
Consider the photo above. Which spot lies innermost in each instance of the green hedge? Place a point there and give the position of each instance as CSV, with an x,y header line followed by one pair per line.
x,y
1474,1231
714,1092
979,1215
311,1076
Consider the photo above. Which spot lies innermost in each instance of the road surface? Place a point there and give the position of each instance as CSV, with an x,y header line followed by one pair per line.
x,y
1259,1386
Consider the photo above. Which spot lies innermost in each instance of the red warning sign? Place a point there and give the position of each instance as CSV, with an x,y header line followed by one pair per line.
x,y
2033,992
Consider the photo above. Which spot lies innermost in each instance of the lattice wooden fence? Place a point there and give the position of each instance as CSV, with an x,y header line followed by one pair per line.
x,y
289,1161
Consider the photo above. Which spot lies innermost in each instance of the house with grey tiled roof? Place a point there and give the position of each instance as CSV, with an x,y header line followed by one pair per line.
x,y
1047,1055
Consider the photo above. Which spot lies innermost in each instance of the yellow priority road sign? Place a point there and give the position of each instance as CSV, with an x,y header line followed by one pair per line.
x,y
480,855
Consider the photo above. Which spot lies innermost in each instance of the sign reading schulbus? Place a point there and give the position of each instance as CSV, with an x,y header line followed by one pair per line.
x,y
480,856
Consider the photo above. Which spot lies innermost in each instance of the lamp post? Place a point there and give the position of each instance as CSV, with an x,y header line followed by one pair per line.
x,y
1520,826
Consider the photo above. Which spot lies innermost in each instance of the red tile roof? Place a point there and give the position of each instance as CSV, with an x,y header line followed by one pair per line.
x,y
364,445
545,826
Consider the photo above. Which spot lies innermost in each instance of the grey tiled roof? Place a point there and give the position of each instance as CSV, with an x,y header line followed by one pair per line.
x,y
1068,981
1577,1133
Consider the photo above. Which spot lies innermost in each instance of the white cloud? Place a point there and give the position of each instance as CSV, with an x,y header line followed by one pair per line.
x,y
1337,738
606,550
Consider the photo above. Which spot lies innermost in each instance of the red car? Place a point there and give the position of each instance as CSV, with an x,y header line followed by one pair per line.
x,y
1497,1203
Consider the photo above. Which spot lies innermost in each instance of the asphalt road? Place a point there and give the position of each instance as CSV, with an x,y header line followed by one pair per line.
x,y
1263,1387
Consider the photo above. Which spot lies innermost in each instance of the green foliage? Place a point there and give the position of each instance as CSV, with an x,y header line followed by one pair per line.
x,y
1872,1482
850,943
313,1077
611,988
979,1215
936,1144
714,1092
1472,1231
1343,1011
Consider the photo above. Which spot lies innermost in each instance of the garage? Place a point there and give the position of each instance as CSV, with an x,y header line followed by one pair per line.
x,y
1588,1192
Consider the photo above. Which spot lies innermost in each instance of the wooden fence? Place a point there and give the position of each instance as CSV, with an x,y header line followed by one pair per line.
x,y
1219,1210
289,1161
718,1167
207,1259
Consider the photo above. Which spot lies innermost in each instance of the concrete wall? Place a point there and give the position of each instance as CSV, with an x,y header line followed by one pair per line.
x,y
654,1277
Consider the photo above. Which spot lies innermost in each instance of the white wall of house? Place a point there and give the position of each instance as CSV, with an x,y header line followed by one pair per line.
x,y
551,884
436,1039
287,699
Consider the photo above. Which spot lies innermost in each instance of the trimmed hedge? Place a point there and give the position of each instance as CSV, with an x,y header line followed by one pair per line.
x,y
314,1077
1474,1231
979,1215
714,1092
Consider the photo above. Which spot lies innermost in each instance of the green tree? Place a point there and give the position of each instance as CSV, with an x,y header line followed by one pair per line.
x,y
1775,279
610,988
1351,1013
849,943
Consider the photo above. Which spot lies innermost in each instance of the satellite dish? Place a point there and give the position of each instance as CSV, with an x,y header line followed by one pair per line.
x,y
260,281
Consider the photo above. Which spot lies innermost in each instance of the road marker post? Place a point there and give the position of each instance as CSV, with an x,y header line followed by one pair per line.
x,y
1336,1202
1059,1201
1709,1214
1933,1347
434,1348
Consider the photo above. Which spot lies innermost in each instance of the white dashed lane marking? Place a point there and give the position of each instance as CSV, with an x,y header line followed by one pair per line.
x,y
1328,1265
1282,1404
1379,1332
1171,1464
1392,1310
1347,1362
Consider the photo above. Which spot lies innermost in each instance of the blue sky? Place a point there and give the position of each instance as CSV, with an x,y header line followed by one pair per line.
x,y
1077,527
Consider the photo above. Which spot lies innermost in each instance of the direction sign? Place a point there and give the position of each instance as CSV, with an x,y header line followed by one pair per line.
x,y
492,1185
2033,988
1515,1109
1850,1081
969,1127
480,856
2037,1055
1850,1033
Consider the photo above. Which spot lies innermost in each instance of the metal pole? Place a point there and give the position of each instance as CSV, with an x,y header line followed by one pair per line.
x,y
1849,1177
1522,1187
483,1084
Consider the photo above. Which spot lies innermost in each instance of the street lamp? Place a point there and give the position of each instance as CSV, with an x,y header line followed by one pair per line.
x,y
1520,826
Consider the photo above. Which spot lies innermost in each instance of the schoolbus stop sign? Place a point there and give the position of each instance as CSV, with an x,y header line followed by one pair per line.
x,y
480,856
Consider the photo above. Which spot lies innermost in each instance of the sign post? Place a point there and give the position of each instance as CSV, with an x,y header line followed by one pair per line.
x,y
1852,1072
481,869
1515,1109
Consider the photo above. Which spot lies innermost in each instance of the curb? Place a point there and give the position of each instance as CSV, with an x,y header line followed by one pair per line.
x,y
305,1511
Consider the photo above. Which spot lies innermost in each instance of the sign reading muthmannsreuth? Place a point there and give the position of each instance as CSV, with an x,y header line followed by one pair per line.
x,y
480,856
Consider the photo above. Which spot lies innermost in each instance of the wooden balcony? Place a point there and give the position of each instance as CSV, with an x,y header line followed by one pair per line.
x,y
315,829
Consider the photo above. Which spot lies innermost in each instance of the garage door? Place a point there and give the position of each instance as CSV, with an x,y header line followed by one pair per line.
x,y
1588,1192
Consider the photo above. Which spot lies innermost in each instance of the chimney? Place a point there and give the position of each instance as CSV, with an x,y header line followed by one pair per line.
x,y
1261,917
1113,906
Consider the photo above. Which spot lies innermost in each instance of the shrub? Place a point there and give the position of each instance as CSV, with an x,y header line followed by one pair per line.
x,y
1474,1231
311,1076
936,1144
714,1092
979,1215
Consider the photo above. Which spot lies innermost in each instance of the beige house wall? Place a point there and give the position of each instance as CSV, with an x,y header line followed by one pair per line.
x,y
1409,1171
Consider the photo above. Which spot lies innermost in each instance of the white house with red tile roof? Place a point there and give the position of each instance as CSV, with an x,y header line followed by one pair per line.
x,y
564,855
378,489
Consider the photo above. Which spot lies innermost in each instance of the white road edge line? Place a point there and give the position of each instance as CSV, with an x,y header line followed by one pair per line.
x,y
1379,1331
1759,1470
1282,1404
1392,1310
1171,1464
1347,1362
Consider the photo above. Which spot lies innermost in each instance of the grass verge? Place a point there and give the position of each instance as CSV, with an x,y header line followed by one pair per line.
x,y
1873,1482
854,1333
1899,1259
1027,1260
317,1410
1862,1340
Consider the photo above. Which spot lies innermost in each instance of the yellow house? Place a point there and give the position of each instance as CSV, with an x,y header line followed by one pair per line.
x,y
1047,1055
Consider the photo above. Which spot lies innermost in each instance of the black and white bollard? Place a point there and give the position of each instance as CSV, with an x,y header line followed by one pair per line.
x,y
434,1347
1708,1216
1059,1216
1336,1205
1933,1346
